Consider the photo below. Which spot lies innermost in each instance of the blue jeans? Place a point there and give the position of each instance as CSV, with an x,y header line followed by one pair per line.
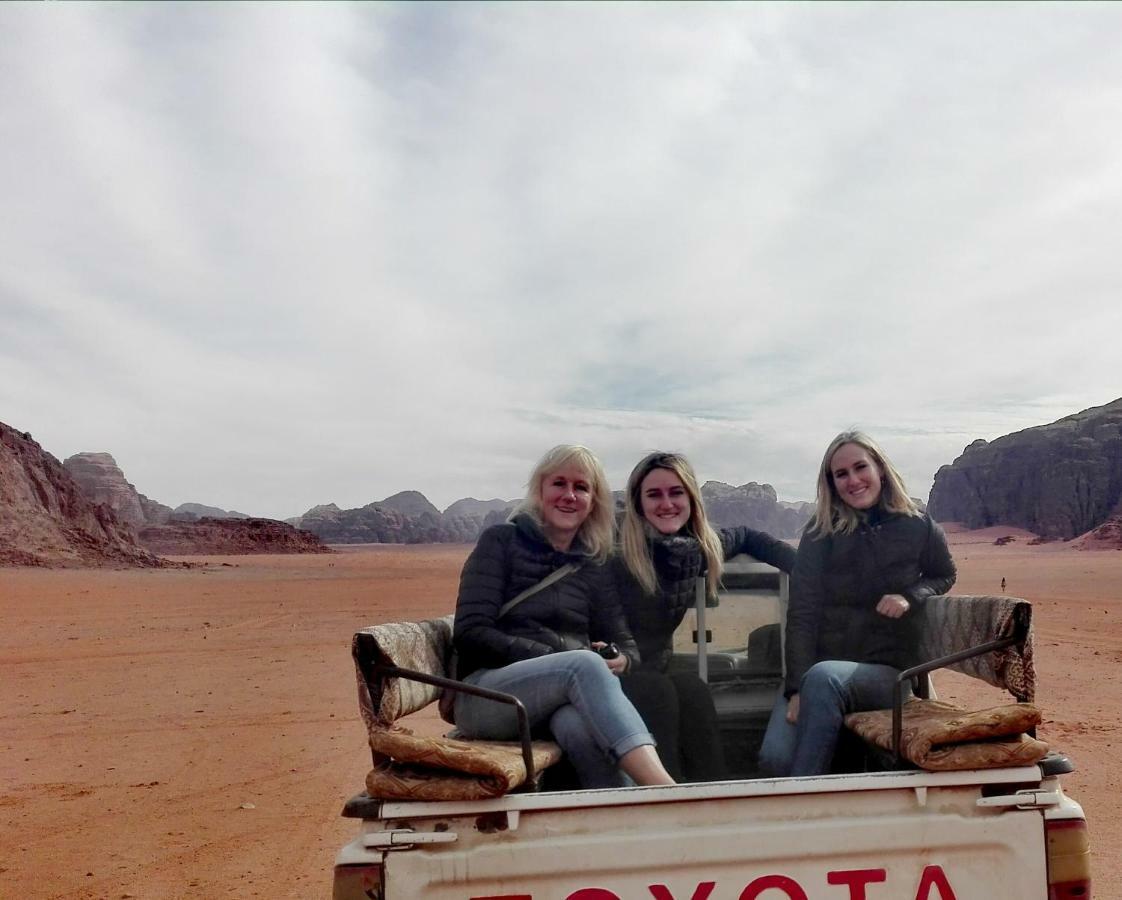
x,y
579,698
829,691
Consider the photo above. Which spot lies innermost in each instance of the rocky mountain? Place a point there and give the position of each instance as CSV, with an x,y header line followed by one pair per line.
x,y
381,524
469,506
46,519
190,511
228,536
102,481
1058,480
410,503
409,518
189,529
756,506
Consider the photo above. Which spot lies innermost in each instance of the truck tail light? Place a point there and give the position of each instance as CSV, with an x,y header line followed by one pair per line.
x,y
359,882
1069,859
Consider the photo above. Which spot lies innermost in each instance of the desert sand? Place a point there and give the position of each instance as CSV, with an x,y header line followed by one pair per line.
x,y
194,733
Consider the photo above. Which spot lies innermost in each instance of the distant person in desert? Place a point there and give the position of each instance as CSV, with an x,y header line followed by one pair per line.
x,y
666,544
866,563
1003,584
535,604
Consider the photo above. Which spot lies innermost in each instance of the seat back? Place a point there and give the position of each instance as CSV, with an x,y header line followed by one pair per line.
x,y
391,661
424,646
953,625
986,637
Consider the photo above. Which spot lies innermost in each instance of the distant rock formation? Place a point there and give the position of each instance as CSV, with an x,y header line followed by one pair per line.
x,y
154,513
1058,480
756,506
191,528
409,518
102,480
47,520
802,507
410,503
377,523
471,507
191,511
228,537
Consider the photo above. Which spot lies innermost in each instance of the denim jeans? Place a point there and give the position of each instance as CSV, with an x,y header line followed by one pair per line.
x,y
829,691
576,695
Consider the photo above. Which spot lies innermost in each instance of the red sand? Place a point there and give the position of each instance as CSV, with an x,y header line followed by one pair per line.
x,y
143,710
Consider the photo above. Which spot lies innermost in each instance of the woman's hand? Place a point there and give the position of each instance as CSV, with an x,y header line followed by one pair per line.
x,y
618,665
793,709
893,605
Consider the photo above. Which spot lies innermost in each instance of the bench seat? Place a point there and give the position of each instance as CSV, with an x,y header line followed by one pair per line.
x,y
401,668
986,637
939,736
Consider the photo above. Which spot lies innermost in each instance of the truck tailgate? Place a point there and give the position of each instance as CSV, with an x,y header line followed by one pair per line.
x,y
911,836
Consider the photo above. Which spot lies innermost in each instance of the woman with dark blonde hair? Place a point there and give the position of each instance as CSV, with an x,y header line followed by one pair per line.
x,y
666,544
867,561
535,604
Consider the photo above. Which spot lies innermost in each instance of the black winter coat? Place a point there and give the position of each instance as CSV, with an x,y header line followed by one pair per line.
x,y
568,615
678,562
839,579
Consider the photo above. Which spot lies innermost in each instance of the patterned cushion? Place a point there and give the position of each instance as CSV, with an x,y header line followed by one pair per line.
x,y
413,767
941,737
954,623
422,646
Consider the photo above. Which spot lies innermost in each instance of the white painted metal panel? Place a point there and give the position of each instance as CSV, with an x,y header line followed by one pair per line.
x,y
931,844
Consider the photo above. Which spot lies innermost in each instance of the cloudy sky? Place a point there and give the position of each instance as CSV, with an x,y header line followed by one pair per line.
x,y
270,256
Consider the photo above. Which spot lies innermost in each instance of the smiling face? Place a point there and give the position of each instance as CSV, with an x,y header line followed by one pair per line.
x,y
665,501
856,476
566,501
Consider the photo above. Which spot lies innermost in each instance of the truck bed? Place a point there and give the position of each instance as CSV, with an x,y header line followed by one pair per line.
x,y
902,834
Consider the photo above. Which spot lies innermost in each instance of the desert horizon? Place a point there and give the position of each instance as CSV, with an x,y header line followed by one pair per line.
x,y
194,733
1056,480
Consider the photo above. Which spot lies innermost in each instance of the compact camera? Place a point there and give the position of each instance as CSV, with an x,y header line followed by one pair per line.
x,y
609,651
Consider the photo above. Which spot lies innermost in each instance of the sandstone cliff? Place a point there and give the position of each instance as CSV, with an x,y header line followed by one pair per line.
x,y
1058,480
756,506
46,519
189,529
102,480
228,537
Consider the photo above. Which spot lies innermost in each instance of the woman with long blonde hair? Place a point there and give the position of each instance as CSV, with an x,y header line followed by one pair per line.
x,y
535,604
666,544
866,563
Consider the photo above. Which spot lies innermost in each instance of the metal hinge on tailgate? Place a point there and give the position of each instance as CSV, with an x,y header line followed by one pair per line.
x,y
1023,800
406,837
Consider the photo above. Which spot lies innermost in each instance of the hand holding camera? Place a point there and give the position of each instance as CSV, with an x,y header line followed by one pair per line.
x,y
609,651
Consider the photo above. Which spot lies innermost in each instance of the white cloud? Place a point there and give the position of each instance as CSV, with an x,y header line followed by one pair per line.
x,y
271,256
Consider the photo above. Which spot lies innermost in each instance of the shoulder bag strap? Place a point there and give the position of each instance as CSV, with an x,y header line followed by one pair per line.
x,y
552,578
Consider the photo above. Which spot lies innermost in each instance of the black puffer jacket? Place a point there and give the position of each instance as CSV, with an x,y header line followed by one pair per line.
x,y
580,608
839,579
678,562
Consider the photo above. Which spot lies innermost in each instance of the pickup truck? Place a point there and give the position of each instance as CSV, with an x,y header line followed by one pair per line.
x,y
878,830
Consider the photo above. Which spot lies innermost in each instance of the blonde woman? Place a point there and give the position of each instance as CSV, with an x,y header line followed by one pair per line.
x,y
542,649
867,561
666,543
